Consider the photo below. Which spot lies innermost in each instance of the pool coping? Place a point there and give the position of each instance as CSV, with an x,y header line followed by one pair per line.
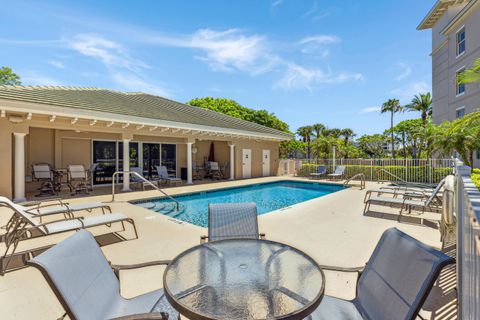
x,y
184,194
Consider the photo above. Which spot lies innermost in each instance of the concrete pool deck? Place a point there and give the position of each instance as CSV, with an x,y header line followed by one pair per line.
x,y
331,229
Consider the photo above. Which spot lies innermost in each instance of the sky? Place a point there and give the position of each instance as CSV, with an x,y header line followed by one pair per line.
x,y
307,61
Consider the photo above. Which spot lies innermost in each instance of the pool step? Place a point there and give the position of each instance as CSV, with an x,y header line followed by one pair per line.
x,y
170,209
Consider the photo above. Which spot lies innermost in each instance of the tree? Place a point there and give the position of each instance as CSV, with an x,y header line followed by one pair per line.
x,y
471,75
305,133
318,128
373,145
461,135
407,132
347,134
8,77
334,132
291,148
393,106
232,108
423,104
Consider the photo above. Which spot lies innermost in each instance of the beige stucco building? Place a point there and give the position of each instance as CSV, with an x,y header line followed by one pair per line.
x,y
65,125
455,28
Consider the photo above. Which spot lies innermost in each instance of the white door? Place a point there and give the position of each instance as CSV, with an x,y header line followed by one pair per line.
x,y
266,162
247,163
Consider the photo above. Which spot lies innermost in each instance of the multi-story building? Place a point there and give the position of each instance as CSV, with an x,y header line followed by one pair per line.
x,y
455,28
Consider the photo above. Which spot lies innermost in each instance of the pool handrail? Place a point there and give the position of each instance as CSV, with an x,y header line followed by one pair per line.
x,y
358,175
177,204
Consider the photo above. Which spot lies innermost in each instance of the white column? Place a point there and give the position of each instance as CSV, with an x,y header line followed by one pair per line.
x,y
126,164
19,163
232,162
189,163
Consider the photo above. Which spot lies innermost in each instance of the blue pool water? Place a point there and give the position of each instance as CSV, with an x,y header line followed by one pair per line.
x,y
268,197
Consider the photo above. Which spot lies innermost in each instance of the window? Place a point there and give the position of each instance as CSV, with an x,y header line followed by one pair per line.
x,y
460,86
460,112
461,42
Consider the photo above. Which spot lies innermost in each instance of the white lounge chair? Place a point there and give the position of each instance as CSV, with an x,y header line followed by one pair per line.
x,y
26,226
406,202
214,170
338,174
407,192
163,175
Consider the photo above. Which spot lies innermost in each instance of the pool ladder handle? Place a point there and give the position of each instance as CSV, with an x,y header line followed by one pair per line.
x,y
177,204
358,175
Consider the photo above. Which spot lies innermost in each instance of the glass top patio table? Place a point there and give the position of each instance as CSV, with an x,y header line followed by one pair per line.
x,y
244,279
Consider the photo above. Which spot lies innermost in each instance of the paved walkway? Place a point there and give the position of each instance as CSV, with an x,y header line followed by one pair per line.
x,y
332,229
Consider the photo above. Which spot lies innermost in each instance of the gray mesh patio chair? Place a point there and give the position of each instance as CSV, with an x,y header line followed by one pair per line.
x,y
338,174
393,285
88,287
320,171
232,221
26,226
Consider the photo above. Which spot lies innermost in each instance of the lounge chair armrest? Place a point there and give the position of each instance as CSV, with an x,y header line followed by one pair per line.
x,y
118,267
342,269
262,236
144,316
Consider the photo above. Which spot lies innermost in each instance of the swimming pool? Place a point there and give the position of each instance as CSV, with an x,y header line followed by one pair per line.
x,y
268,197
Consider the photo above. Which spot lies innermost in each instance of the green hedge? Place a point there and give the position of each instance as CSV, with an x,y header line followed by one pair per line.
x,y
420,174
476,177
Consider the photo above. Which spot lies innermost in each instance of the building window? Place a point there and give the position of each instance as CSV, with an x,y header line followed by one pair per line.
x,y
461,42
460,86
460,112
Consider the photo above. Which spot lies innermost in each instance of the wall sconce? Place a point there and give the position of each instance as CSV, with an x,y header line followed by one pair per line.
x,y
194,150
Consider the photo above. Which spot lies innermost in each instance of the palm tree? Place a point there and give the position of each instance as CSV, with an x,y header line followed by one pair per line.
x,y
393,106
318,128
421,103
347,133
305,133
334,133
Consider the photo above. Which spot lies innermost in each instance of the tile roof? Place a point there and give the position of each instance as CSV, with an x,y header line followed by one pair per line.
x,y
130,104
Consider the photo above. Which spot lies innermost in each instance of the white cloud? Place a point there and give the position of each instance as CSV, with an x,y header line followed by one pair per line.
x,y
276,3
370,110
317,44
227,50
133,83
56,64
106,51
406,93
298,77
320,39
311,11
406,71
32,78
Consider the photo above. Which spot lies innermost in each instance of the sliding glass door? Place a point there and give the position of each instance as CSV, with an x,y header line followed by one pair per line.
x,y
108,155
169,158
105,156
151,159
